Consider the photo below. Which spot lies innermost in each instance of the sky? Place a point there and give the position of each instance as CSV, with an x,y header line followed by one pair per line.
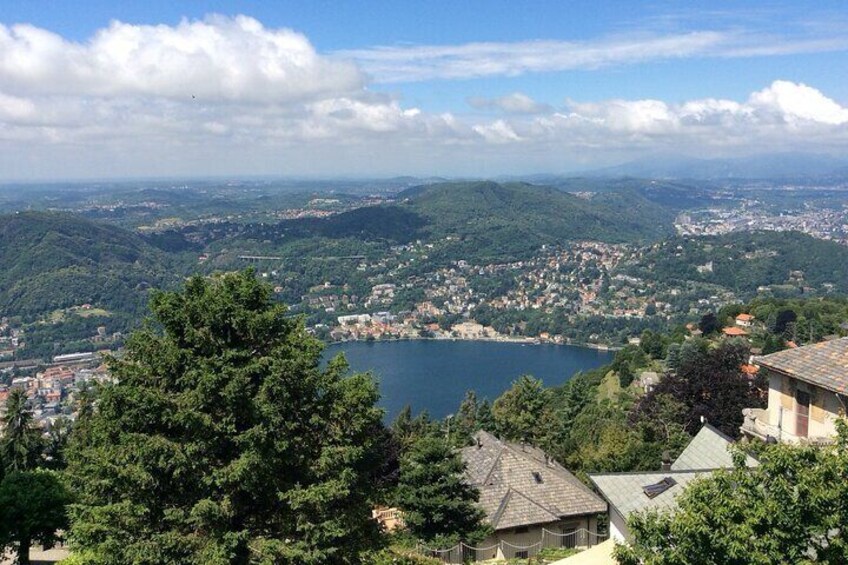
x,y
105,89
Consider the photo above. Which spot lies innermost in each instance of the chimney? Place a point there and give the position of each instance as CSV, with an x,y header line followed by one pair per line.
x,y
666,461
479,443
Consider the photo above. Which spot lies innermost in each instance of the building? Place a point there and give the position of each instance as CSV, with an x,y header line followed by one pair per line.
x,y
627,493
734,331
745,320
527,496
808,392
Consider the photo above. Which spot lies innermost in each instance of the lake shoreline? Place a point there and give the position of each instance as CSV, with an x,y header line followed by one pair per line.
x,y
501,339
435,374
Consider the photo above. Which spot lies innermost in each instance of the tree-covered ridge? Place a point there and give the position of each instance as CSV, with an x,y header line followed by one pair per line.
x,y
743,262
52,261
499,215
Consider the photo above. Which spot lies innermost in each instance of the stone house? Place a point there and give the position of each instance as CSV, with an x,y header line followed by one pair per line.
x,y
808,392
528,497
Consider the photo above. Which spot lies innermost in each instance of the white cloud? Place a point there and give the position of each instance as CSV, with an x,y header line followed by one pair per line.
x,y
798,103
411,63
229,95
469,60
515,103
214,59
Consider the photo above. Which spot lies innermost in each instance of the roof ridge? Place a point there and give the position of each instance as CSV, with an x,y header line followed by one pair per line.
x,y
682,471
534,502
496,517
492,468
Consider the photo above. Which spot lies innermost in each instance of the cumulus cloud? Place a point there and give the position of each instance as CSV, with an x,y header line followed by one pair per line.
x,y
215,59
227,94
798,103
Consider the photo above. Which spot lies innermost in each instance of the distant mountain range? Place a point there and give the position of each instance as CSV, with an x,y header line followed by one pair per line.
x,y
765,166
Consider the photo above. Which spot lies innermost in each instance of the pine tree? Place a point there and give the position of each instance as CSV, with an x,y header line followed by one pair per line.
x,y
438,505
223,440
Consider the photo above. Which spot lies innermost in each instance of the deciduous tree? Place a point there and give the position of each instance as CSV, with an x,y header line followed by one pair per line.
x,y
792,508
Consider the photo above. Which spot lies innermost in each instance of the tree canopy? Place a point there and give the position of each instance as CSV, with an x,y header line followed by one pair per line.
x,y
439,505
792,508
223,440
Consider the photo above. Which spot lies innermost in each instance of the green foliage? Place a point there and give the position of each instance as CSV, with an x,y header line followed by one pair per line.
x,y
708,383
744,261
21,443
223,441
512,219
54,261
32,508
519,412
790,509
438,505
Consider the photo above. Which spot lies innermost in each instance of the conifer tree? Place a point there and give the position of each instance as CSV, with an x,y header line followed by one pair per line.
x,y
223,440
439,506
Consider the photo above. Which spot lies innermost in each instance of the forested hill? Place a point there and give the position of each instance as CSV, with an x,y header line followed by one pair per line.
x,y
502,217
742,262
52,261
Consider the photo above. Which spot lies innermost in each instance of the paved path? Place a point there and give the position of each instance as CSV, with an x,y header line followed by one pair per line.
x,y
600,554
38,556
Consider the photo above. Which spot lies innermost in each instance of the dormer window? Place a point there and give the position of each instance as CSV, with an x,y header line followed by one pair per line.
x,y
537,476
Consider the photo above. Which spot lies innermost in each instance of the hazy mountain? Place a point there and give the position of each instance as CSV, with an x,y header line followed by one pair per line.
x,y
773,165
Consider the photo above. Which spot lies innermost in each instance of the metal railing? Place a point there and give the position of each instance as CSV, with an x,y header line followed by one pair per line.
x,y
463,552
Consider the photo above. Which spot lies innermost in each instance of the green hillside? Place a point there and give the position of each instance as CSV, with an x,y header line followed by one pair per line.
x,y
509,219
52,261
745,261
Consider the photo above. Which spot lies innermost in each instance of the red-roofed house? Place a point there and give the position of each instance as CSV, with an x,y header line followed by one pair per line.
x,y
744,320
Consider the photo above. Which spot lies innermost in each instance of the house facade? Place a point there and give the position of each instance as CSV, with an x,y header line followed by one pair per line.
x,y
808,393
528,497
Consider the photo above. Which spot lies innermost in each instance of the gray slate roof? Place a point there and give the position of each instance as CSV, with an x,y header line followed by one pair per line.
x,y
624,490
708,450
510,494
823,364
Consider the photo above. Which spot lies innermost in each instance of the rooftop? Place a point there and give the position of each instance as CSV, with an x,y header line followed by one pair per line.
x,y
625,491
823,364
521,486
708,450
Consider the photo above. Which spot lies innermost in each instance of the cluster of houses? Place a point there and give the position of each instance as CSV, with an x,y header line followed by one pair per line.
x,y
531,501
51,392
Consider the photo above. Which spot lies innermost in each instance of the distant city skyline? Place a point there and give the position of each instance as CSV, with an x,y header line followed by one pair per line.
x,y
147,89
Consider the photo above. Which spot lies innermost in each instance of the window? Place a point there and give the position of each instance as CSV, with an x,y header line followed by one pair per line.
x,y
522,554
657,489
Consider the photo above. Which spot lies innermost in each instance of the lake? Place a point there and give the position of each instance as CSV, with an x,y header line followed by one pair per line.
x,y
433,375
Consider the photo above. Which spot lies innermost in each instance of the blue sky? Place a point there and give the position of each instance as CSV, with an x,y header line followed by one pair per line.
x,y
104,88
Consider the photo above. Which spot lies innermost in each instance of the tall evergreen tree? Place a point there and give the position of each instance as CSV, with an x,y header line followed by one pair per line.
x,y
21,443
223,440
438,505
520,411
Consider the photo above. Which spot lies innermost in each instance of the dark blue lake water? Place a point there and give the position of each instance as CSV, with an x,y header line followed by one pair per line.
x,y
433,375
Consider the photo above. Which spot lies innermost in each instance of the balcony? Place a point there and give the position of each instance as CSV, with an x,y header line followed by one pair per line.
x,y
755,423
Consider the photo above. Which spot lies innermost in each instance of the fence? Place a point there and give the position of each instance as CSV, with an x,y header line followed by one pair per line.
x,y
462,552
